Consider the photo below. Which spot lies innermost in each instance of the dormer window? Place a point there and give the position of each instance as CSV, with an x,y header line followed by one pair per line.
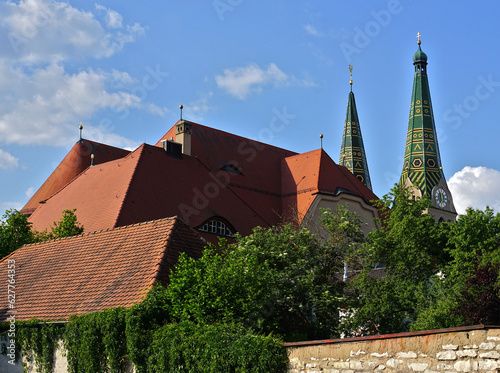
x,y
229,167
217,226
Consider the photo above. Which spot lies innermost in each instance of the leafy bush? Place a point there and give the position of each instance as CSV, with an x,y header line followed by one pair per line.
x,y
215,348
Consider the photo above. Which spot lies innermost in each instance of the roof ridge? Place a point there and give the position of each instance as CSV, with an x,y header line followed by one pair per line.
x,y
85,170
106,145
163,255
98,232
140,148
236,136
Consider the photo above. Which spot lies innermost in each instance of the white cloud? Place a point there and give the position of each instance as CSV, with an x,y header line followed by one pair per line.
x,y
113,18
242,81
477,187
47,31
29,192
45,105
194,110
8,206
311,30
7,160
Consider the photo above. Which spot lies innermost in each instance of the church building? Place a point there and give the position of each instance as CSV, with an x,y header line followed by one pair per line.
x,y
140,209
220,183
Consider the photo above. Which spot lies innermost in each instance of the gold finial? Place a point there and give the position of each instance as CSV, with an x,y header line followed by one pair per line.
x,y
80,128
418,38
350,69
321,139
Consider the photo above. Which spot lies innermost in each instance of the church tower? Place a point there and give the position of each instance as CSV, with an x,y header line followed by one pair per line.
x,y
352,150
422,169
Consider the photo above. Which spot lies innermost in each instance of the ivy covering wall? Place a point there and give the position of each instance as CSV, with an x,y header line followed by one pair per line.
x,y
105,341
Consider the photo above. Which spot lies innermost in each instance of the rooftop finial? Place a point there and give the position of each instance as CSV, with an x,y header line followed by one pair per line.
x,y
321,137
350,81
81,128
418,38
181,107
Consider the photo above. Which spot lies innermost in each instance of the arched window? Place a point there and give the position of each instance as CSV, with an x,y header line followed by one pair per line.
x,y
217,226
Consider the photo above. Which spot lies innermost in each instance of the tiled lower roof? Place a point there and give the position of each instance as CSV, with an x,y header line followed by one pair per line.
x,y
96,271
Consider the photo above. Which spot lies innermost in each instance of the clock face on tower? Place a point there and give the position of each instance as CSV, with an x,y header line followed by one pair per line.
x,y
441,197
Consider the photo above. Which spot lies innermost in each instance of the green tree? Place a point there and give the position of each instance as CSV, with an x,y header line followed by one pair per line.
x,y
15,231
413,249
469,283
66,227
280,280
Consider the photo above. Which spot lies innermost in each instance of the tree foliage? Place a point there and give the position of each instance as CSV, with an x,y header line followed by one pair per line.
x,y
411,247
279,280
67,226
435,275
16,230
214,348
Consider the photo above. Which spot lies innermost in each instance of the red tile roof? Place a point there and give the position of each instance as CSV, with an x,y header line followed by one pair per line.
x,y
75,162
271,185
92,272
305,175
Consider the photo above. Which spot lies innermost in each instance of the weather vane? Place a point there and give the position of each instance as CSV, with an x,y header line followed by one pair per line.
x,y
418,38
350,81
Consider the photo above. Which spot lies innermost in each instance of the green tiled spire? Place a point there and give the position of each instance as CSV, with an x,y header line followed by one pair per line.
x,y
422,163
352,151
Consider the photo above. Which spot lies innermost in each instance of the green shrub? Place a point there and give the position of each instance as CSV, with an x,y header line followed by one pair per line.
x,y
217,348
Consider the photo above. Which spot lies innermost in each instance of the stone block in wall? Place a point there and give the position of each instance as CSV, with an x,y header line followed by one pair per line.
x,y
443,366
466,353
488,364
490,355
487,346
356,365
376,354
492,338
450,347
357,353
418,367
446,355
462,366
393,363
341,364
468,347
406,355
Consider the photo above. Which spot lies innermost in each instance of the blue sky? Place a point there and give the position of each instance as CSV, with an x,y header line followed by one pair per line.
x,y
123,69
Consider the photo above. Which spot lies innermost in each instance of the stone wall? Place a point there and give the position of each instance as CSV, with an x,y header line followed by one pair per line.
x,y
467,349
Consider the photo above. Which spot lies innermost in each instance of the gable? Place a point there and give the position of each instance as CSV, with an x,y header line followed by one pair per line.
x,y
89,273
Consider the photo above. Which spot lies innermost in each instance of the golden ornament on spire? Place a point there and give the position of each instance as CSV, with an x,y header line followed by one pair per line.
x,y
350,69
418,38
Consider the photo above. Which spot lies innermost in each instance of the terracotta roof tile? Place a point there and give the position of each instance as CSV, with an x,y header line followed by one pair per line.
x,y
92,272
75,162
274,185
305,175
